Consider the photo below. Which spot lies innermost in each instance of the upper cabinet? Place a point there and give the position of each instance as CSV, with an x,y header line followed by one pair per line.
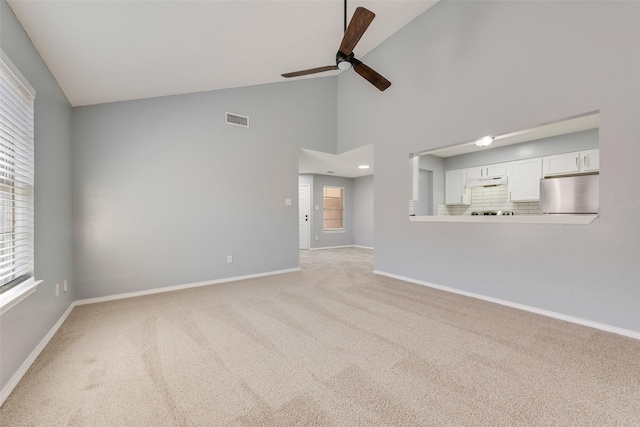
x,y
489,171
455,191
524,180
590,160
571,163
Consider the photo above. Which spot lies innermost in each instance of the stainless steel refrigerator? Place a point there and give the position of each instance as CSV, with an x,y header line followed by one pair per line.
x,y
570,194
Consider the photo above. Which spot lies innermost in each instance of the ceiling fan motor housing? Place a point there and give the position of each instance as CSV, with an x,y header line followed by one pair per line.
x,y
344,61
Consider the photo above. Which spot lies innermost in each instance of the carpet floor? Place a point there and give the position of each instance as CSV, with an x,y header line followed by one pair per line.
x,y
332,346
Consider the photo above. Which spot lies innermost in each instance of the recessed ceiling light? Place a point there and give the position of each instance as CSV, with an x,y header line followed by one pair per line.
x,y
329,171
363,167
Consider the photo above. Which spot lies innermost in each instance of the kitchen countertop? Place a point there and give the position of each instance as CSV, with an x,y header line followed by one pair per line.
x,y
511,219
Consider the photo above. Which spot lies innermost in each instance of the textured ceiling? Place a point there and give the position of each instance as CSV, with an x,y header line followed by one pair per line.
x,y
114,50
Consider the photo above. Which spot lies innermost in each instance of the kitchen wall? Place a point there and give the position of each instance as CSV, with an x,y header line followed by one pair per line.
x,y
567,143
165,190
491,199
496,198
437,166
483,67
24,326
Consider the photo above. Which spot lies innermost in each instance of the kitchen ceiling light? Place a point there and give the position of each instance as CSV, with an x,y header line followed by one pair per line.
x,y
484,141
363,167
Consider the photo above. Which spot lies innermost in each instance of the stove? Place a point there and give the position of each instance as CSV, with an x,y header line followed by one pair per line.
x,y
493,213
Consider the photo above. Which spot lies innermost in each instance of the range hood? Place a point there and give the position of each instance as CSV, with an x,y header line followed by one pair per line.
x,y
486,182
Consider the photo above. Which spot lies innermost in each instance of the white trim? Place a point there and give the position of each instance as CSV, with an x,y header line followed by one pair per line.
x,y
343,210
13,296
584,322
15,379
180,287
334,231
340,247
330,247
309,222
23,80
510,219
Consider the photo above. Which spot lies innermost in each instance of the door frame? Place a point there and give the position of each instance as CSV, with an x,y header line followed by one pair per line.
x,y
308,186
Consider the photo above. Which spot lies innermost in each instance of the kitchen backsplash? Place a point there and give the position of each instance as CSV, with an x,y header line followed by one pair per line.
x,y
491,199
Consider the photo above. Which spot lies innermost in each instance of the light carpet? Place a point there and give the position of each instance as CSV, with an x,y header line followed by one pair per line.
x,y
327,347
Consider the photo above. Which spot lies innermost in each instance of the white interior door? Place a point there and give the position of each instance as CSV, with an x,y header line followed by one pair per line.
x,y
304,207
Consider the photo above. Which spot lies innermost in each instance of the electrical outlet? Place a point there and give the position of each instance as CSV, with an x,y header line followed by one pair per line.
x,y
65,287
229,259
57,289
316,238
287,201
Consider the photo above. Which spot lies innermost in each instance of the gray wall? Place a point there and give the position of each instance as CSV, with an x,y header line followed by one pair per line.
x,y
363,211
165,190
424,204
576,141
477,68
436,165
331,239
358,210
25,325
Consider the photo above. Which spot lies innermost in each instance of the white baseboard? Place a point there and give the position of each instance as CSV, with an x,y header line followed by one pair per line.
x,y
339,247
15,379
330,247
179,287
584,322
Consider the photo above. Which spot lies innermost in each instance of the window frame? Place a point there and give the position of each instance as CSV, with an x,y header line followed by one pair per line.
x,y
19,281
342,210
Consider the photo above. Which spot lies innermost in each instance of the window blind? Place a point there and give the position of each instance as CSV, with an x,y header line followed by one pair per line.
x,y
333,208
16,179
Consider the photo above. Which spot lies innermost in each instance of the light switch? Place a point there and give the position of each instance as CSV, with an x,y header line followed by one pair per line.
x,y
287,201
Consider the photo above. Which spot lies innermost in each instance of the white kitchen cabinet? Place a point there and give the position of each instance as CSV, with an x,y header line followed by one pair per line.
x,y
487,171
590,160
571,163
524,180
455,191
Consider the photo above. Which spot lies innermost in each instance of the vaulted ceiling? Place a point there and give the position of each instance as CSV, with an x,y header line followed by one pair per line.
x,y
115,50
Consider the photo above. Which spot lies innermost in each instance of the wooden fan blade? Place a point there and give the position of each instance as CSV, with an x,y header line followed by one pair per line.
x,y
359,23
373,77
310,71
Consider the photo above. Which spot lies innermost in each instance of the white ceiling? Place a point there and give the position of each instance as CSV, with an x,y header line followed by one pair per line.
x,y
560,127
345,164
115,50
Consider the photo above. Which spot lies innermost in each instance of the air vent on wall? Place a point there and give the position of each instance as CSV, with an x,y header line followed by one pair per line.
x,y
236,120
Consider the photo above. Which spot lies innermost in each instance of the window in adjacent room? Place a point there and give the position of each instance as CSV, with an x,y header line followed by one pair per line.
x,y
16,180
333,209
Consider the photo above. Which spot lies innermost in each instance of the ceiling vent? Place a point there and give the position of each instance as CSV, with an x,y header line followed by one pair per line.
x,y
236,120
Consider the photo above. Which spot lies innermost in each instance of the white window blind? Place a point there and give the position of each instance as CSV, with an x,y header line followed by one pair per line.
x,y
16,177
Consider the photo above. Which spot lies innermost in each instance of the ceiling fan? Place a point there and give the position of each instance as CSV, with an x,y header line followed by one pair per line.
x,y
345,58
